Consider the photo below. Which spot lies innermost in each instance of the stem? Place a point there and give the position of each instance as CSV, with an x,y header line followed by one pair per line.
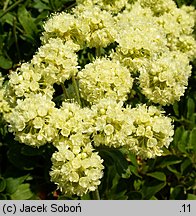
x,y
10,8
15,38
53,5
98,52
96,195
70,6
5,5
75,85
64,91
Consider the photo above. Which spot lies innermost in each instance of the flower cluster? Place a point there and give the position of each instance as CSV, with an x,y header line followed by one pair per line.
x,y
27,79
107,58
4,105
89,26
139,36
113,6
76,168
178,25
71,119
143,130
30,120
104,79
164,81
57,60
110,123
152,132
159,7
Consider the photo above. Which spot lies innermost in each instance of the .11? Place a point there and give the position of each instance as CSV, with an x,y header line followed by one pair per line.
x,y
186,208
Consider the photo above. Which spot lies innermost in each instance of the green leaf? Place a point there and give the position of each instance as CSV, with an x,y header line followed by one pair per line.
x,y
117,157
137,184
153,198
176,109
86,197
190,107
131,169
23,192
182,143
120,196
134,195
3,196
191,197
12,184
27,22
2,184
41,6
192,139
173,170
30,151
129,156
5,63
151,188
19,160
8,18
177,193
178,134
185,166
157,175
168,160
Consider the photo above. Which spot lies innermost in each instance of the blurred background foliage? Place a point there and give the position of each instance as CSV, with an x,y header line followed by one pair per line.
x,y
24,171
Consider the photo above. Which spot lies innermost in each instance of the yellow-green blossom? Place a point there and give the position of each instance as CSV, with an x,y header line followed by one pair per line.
x,y
153,131
28,79
97,25
63,26
164,81
113,6
71,119
104,78
111,124
76,168
56,60
89,26
139,37
30,120
158,7
4,105
178,25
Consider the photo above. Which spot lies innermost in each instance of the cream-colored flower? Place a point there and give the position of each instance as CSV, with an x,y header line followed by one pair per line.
x,y
104,79
159,7
164,81
30,120
28,79
111,124
76,172
153,131
113,6
178,24
4,105
56,60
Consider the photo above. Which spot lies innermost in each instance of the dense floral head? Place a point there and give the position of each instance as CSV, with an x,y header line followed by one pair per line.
x,y
76,168
30,120
110,123
104,78
164,81
88,27
153,131
28,79
56,60
113,6
4,105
